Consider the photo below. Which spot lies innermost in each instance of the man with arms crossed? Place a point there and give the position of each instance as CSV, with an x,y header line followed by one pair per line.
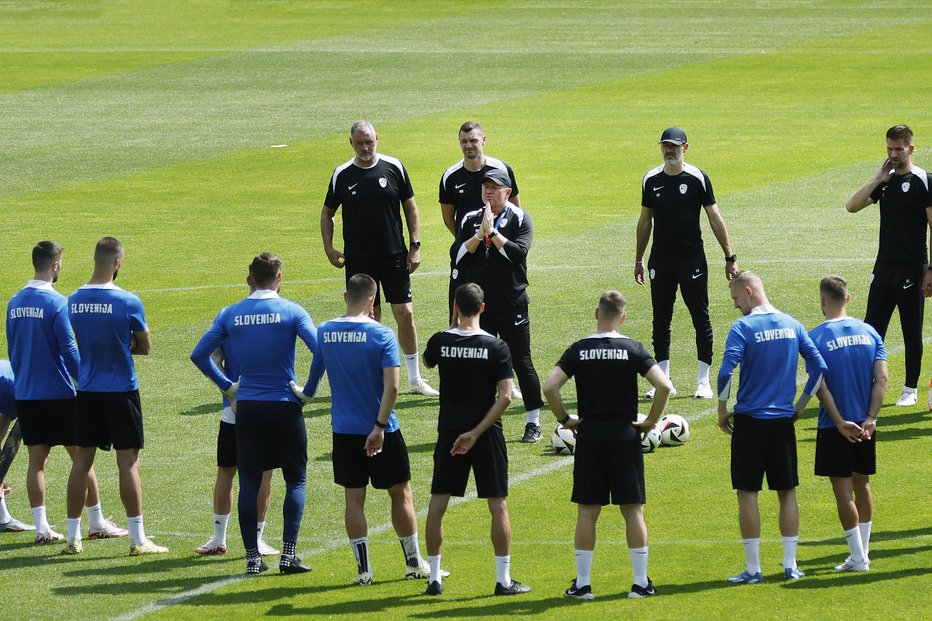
x,y
473,366
845,447
609,461
371,187
262,330
361,359
110,327
901,278
44,359
672,197
766,344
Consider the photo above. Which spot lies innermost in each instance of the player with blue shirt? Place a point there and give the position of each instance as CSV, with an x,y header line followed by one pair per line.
x,y
262,330
110,326
10,444
362,362
846,440
765,343
44,359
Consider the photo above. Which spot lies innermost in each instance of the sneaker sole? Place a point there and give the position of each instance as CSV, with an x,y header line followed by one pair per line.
x,y
214,552
588,597
96,536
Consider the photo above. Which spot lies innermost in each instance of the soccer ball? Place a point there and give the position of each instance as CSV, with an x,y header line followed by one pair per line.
x,y
674,430
563,440
651,439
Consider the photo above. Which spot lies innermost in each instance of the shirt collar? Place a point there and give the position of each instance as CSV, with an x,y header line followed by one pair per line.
x,y
106,285
263,294
39,284
763,309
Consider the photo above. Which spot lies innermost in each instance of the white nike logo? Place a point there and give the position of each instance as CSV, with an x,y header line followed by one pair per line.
x,y
352,186
520,321
457,187
695,276
909,285
657,188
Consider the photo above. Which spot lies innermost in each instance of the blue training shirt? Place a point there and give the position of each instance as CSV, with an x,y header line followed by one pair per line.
x,y
104,318
766,343
354,351
262,330
7,391
850,347
42,350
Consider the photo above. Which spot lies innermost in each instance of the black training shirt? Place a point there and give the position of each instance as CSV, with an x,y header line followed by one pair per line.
x,y
903,220
676,202
462,188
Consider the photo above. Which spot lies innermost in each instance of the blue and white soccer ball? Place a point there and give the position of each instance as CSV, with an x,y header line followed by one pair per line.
x,y
651,439
563,440
674,430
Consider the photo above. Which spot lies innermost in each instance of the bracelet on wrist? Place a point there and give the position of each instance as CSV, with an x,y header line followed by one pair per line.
x,y
380,425
564,420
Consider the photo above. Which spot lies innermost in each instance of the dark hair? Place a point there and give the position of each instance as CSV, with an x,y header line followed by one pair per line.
x,y
835,288
468,126
44,254
360,288
612,303
108,249
264,268
901,132
469,298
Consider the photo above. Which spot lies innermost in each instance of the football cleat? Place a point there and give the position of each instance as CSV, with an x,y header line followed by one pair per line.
x,y
212,549
851,565
48,537
363,579
420,387
650,393
703,389
746,578
793,573
909,396
422,572
73,547
291,564
531,433
639,592
583,593
515,588
266,550
109,531
434,588
255,566
15,526
147,547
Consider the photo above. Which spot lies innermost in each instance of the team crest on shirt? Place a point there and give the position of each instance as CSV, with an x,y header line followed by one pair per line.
x,y
905,187
683,188
871,278
383,181
652,274
503,223
455,274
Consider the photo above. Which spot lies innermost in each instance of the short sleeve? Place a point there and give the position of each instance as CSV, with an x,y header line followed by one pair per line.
x,y
332,200
503,368
405,189
644,359
430,352
137,315
708,196
568,361
390,354
514,182
877,194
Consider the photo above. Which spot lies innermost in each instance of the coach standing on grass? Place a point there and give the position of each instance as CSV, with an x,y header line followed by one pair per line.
x,y
672,197
766,344
262,330
491,250
609,461
372,188
901,277
846,440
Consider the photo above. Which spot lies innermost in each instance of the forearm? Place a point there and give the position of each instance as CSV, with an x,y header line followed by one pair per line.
x,y
829,405
862,198
326,228
449,217
493,415
643,234
411,219
721,233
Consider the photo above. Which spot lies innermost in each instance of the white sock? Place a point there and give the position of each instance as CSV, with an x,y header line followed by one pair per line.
x,y
639,565
789,552
74,529
137,533
503,570
4,512
912,391
412,550
40,520
220,528
361,553
414,372
583,567
865,528
533,416
703,373
752,555
434,562
95,517
853,537
665,367
260,530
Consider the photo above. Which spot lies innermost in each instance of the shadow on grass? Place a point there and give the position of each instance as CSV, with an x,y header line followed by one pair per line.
x,y
205,408
880,535
822,578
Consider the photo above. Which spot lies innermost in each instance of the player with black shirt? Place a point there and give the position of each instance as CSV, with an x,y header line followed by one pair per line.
x,y
901,276
672,196
609,462
372,188
473,366
491,250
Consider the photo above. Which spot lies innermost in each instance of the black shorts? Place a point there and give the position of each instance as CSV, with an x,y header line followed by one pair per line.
x,y
353,469
488,460
109,420
226,448
389,273
763,445
608,468
271,430
47,421
836,457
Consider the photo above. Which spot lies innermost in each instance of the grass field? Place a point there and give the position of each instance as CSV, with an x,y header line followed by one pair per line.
x,y
154,122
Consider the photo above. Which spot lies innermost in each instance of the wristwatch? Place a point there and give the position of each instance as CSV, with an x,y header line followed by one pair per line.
x,y
416,243
493,232
731,259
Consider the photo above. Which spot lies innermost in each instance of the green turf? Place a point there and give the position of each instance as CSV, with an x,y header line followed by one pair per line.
x,y
154,121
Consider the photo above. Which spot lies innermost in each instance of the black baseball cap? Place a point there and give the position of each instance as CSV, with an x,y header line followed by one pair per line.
x,y
673,135
498,176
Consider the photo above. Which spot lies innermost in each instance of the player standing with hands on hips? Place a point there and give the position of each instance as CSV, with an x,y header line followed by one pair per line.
x,y
672,196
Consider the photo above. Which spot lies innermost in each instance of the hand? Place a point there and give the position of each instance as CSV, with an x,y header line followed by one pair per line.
x,y
488,223
731,269
798,413
868,427
232,390
132,342
335,257
644,426
463,443
885,173
724,421
414,259
374,441
573,423
296,390
851,431
927,284
4,490
233,406
639,273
